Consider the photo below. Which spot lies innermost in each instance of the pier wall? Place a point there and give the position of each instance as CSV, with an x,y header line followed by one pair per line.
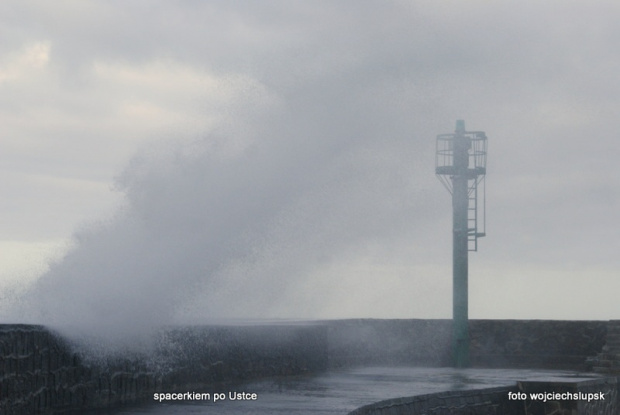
x,y
496,400
545,344
40,372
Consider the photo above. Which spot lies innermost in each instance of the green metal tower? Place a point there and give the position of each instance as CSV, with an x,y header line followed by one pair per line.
x,y
460,164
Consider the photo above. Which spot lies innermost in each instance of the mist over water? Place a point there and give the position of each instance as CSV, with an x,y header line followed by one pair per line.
x,y
246,221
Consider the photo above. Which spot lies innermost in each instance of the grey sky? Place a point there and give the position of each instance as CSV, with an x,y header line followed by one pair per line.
x,y
275,159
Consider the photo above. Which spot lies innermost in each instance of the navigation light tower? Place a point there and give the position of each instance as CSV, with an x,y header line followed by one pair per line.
x,y
460,164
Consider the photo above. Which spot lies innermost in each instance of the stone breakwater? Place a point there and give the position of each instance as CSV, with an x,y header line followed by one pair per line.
x,y
40,372
544,344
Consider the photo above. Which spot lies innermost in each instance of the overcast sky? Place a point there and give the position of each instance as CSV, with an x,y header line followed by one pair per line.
x,y
175,161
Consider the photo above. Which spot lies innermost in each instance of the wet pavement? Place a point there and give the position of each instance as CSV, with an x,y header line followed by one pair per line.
x,y
339,392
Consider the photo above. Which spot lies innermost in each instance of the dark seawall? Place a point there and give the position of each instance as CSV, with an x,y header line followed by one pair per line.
x,y
40,372
552,344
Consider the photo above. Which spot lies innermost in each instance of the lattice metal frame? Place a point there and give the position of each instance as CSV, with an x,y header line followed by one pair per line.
x,y
476,173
